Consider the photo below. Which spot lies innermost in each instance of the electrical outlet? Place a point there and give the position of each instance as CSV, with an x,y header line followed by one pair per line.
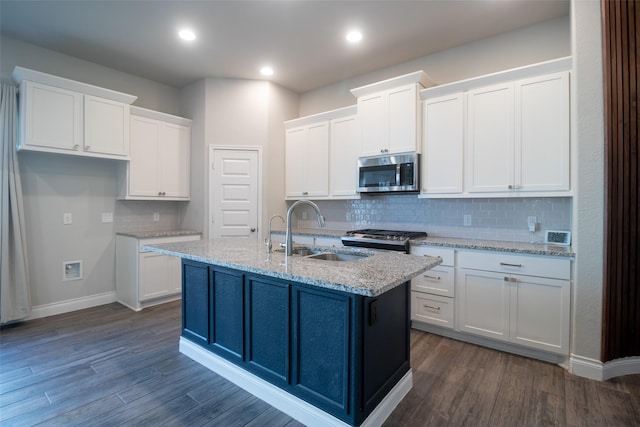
x,y
67,218
531,223
156,216
107,217
467,220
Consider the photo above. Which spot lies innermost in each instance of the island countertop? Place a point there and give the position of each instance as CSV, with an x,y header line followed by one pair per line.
x,y
374,274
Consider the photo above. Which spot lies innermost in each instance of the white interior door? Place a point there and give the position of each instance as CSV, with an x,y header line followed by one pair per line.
x,y
234,193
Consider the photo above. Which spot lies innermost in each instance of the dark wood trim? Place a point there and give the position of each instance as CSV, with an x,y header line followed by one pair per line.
x,y
621,299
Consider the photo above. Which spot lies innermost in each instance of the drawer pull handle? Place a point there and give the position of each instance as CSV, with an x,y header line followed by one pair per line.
x,y
510,279
506,264
432,277
433,307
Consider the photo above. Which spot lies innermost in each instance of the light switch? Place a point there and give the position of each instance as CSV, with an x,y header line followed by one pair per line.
x,y
67,218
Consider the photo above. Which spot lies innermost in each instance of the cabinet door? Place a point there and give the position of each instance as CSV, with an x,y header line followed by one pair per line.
x,y
483,303
196,303
343,157
144,164
106,126
403,119
157,276
268,329
317,160
542,133
373,124
321,347
174,155
540,313
490,132
52,117
295,162
227,320
442,161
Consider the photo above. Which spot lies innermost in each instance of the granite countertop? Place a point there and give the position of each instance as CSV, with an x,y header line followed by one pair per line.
x,y
373,275
157,234
460,243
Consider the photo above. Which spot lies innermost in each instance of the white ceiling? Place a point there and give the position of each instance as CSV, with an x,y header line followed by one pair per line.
x,y
302,39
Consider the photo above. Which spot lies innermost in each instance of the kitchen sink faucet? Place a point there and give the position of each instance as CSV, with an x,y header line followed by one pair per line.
x,y
268,240
288,248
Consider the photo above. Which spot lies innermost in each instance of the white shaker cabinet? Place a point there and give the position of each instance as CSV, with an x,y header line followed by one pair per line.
x,y
307,161
160,158
343,158
519,299
389,115
433,292
66,117
443,143
321,157
145,278
518,136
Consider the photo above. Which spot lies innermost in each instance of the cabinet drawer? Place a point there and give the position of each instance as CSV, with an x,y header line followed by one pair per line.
x,y
439,280
432,309
516,264
171,239
447,255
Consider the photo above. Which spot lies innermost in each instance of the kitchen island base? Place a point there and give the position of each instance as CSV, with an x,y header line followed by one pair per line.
x,y
295,407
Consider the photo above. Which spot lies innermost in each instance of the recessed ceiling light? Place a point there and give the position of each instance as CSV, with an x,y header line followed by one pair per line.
x,y
187,34
266,71
354,36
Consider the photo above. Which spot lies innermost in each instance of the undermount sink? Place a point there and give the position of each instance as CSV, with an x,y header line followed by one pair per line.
x,y
313,253
336,256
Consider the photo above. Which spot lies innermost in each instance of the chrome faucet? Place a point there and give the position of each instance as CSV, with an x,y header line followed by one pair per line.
x,y
289,239
268,240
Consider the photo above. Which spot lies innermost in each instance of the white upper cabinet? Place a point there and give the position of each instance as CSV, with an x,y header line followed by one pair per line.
x,y
442,152
343,158
490,139
518,136
62,116
389,115
321,156
512,137
160,158
542,141
307,161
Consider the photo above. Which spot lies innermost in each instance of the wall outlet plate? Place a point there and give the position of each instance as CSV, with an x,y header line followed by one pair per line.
x,y
557,237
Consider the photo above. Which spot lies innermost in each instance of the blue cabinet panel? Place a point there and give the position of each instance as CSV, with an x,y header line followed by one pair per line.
x,y
268,329
321,338
196,296
227,320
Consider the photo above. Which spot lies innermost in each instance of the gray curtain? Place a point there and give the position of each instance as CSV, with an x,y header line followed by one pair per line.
x,y
15,300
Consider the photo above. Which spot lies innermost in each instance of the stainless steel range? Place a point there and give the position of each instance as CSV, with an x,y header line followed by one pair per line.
x,y
382,239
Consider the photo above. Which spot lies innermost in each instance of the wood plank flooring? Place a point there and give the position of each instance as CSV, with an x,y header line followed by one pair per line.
x,y
109,366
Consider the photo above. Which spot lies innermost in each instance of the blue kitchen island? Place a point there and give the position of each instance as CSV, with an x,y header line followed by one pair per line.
x,y
322,335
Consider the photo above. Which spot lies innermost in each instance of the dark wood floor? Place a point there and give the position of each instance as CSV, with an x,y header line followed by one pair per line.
x,y
109,366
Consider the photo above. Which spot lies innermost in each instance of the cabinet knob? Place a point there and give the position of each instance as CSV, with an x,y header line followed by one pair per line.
x,y
253,229
305,193
76,146
510,187
87,147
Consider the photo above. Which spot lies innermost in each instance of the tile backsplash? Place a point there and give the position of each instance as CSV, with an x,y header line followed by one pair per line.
x,y
491,218
137,215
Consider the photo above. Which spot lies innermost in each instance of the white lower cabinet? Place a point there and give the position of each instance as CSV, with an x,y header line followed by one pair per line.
x,y
432,292
531,309
145,278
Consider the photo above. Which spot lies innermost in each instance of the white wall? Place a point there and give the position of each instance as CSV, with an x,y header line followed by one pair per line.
x,y
240,113
537,43
588,129
56,184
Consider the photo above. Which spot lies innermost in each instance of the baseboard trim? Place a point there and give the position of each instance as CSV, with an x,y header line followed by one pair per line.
x,y
599,371
296,408
67,306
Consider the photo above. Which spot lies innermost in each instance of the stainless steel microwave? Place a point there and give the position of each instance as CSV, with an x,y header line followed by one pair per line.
x,y
389,173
